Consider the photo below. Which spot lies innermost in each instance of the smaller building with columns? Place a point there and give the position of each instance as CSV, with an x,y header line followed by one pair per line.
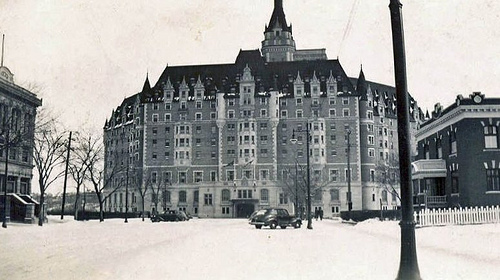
x,y
458,163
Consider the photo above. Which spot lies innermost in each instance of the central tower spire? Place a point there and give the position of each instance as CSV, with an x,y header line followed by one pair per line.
x,y
278,44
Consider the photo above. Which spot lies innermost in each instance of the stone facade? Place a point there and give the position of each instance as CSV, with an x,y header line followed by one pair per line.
x,y
17,123
214,140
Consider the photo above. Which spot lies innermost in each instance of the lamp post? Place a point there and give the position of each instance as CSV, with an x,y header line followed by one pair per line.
x,y
294,140
296,189
126,196
349,194
408,266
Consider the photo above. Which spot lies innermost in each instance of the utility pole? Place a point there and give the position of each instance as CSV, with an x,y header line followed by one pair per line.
x,y
66,176
309,219
126,196
296,190
408,266
349,194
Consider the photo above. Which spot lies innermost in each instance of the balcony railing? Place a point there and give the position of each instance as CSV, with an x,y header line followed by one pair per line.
x,y
436,200
431,201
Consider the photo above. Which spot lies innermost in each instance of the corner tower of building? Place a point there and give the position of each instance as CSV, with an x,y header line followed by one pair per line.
x,y
278,44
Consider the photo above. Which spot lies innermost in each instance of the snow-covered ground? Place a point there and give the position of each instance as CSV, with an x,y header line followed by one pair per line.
x,y
232,249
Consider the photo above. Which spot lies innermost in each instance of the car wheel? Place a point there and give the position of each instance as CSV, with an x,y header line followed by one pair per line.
x,y
296,225
283,227
176,219
273,225
258,226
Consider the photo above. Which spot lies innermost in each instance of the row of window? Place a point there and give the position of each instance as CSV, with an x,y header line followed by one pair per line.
x,y
263,101
155,118
208,198
13,117
264,174
314,112
182,105
15,155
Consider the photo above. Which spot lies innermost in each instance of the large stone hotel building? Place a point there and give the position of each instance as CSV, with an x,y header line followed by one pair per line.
x,y
214,140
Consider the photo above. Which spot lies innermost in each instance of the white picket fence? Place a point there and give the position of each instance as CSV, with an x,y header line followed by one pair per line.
x,y
460,216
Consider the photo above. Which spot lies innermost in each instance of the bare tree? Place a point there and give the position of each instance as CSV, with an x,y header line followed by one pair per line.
x,y
101,180
295,184
387,176
48,155
143,189
78,167
158,188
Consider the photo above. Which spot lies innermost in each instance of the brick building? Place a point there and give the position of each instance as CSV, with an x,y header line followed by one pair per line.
x,y
214,140
17,123
458,161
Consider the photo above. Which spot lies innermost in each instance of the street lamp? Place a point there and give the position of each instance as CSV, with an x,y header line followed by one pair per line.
x,y
296,188
408,266
294,140
126,196
349,194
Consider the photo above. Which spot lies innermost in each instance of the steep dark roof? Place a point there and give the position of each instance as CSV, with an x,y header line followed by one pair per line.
x,y
278,18
361,86
146,86
226,77
387,95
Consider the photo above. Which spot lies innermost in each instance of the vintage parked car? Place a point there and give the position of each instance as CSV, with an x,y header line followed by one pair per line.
x,y
273,217
170,216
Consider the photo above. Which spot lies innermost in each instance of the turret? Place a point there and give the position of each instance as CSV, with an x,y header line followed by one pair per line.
x,y
278,44
361,86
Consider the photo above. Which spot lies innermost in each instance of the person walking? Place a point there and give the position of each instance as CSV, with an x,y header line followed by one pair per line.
x,y
321,214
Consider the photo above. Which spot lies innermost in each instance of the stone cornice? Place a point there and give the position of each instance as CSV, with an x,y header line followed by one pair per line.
x,y
456,115
21,93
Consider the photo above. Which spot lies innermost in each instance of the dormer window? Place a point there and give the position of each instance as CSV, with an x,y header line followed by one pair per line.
x,y
199,94
277,33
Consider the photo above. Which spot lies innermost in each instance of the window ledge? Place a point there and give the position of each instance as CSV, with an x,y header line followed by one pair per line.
x,y
493,192
491,150
455,194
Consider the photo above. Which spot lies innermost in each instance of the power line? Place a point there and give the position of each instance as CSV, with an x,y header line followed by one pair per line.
x,y
347,29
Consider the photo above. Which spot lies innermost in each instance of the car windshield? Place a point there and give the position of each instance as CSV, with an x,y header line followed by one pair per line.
x,y
261,212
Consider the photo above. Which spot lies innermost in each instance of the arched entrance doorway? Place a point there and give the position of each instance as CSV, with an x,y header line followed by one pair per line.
x,y
243,208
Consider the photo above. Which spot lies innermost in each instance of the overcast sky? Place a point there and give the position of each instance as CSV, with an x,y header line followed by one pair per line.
x,y
89,55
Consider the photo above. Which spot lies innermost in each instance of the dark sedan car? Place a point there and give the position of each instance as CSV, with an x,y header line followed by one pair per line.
x,y
273,217
170,216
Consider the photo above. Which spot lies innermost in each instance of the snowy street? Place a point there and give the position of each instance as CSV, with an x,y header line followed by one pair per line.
x,y
232,249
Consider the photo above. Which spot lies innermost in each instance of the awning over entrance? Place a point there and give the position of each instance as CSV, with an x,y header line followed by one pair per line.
x,y
428,168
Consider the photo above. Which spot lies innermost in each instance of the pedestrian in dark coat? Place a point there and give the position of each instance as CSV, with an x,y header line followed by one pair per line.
x,y
321,214
316,214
